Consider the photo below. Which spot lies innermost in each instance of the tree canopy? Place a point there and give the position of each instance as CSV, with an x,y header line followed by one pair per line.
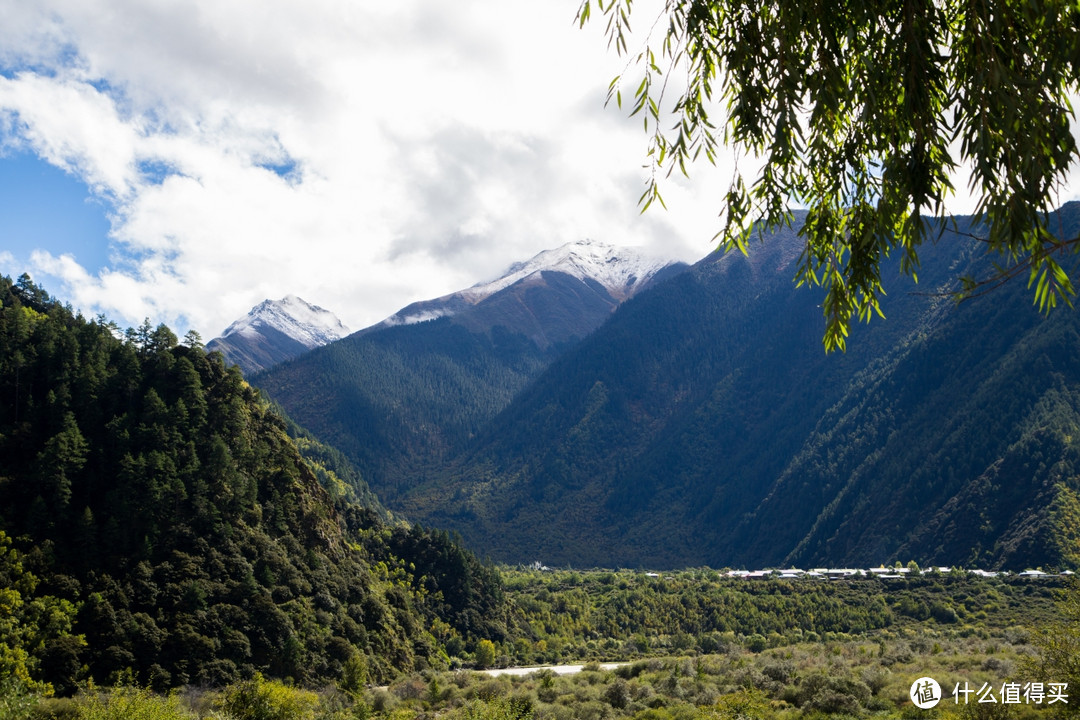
x,y
862,110
161,522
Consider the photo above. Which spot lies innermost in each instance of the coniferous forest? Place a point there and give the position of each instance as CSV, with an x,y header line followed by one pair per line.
x,y
158,523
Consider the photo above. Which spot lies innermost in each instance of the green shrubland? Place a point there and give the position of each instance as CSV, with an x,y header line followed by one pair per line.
x,y
729,675
621,615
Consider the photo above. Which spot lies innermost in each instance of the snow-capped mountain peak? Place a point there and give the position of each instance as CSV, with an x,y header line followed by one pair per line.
x,y
308,324
621,270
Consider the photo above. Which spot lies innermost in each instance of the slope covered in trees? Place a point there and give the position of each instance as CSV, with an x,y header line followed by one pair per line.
x,y
703,424
400,397
157,522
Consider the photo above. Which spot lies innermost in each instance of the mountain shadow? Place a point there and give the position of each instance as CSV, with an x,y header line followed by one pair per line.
x,y
704,424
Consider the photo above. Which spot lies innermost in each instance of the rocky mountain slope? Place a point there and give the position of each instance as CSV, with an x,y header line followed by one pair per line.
x,y
557,296
277,330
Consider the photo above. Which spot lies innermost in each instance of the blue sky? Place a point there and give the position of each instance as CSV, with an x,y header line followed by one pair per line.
x,y
42,206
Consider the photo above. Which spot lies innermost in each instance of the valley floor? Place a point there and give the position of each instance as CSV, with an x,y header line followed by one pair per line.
x,y
856,678
989,644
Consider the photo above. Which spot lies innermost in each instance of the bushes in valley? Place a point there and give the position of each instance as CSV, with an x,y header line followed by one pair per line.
x,y
262,699
850,678
569,616
854,678
130,703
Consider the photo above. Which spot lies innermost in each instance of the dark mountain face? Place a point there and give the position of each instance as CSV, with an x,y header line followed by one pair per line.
x,y
704,424
398,399
257,351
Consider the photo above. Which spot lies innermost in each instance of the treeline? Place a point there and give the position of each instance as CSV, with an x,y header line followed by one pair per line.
x,y
158,524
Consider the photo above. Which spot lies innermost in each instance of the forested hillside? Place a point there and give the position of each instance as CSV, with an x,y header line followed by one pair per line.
x,y
703,424
399,399
158,523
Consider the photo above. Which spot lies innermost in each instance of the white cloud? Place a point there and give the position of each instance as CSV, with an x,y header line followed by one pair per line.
x,y
8,264
72,126
427,145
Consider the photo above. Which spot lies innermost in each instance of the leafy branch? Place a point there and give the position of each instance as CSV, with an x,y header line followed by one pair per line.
x,y
855,110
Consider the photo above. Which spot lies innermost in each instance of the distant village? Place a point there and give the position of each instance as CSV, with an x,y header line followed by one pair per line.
x,y
882,573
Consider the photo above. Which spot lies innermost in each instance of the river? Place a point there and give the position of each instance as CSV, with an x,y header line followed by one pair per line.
x,y
557,669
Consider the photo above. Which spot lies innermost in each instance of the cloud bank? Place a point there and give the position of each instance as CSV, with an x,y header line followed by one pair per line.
x,y
362,155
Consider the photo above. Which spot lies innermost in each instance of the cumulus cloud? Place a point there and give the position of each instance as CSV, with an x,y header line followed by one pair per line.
x,y
360,155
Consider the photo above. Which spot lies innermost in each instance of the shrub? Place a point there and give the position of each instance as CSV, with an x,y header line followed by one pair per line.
x,y
56,709
831,694
944,613
741,705
756,643
653,714
16,701
485,654
497,709
490,689
618,694
261,699
412,688
1001,666
782,671
876,678
632,670
901,653
132,703
382,702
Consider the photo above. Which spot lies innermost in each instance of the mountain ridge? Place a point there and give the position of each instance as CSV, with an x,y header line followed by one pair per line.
x,y
398,398
703,424
620,271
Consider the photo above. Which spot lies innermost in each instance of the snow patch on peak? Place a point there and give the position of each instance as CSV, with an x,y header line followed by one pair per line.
x,y
308,324
621,270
